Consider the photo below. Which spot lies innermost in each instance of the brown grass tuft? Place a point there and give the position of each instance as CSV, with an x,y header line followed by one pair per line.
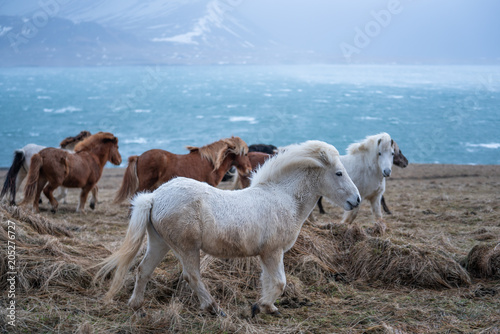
x,y
37,222
382,260
484,261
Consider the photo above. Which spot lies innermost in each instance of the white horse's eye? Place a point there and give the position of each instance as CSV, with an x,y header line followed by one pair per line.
x,y
338,173
379,153
392,153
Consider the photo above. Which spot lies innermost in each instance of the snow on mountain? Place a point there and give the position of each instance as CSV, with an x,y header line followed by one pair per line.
x,y
172,31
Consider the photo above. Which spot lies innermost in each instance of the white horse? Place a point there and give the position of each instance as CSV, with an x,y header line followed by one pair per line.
x,y
263,220
368,164
21,165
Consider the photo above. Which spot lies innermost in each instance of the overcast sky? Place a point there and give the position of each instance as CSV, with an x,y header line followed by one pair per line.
x,y
416,29
365,30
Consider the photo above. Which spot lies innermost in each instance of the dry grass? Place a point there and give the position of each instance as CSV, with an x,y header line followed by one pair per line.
x,y
484,261
340,278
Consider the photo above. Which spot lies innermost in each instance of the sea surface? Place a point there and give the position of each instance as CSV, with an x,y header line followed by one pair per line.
x,y
437,114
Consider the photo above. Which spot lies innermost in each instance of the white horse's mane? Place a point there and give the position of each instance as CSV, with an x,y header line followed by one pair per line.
x,y
312,153
369,144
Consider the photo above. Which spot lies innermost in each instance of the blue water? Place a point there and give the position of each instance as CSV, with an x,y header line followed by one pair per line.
x,y
437,114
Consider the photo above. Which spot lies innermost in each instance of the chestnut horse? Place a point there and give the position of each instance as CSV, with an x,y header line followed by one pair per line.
x,y
81,169
21,165
207,164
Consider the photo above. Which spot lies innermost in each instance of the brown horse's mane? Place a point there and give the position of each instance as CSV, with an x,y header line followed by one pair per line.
x,y
217,151
90,142
71,140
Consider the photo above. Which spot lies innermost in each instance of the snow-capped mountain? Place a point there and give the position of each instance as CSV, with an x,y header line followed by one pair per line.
x,y
173,31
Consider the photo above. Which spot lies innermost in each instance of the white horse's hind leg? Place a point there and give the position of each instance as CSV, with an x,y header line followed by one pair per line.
x,y
19,179
157,248
273,280
191,274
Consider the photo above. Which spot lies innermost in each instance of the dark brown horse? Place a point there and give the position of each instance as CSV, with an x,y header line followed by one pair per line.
x,y
81,169
256,159
207,164
399,161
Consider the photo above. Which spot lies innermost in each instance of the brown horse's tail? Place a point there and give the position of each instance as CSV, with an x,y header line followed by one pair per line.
x,y
33,175
10,180
130,181
123,257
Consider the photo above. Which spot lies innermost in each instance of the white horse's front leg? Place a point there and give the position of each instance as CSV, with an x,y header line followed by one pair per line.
x,y
380,227
377,207
62,194
273,280
157,248
349,216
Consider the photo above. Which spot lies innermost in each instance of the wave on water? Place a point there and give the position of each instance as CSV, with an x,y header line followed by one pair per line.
x,y
61,110
250,120
140,111
138,140
368,118
492,146
41,97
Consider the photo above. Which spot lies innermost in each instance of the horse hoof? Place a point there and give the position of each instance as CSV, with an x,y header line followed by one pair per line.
x,y
92,206
53,210
276,314
255,310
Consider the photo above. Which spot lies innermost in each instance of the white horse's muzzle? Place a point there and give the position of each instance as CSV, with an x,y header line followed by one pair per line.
x,y
352,202
387,172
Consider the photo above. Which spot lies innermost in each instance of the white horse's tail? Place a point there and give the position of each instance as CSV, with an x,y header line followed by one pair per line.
x,y
122,259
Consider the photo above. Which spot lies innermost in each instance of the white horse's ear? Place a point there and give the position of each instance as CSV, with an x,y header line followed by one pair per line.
x,y
379,141
392,142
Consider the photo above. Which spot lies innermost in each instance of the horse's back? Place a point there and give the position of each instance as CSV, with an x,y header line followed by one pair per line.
x,y
218,220
153,167
72,169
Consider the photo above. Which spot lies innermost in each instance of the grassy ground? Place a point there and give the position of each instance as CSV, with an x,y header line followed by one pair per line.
x,y
438,210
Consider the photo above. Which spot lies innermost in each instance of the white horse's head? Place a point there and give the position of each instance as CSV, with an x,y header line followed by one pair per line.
x,y
334,183
385,152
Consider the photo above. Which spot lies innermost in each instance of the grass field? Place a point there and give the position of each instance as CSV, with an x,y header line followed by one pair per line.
x,y
416,278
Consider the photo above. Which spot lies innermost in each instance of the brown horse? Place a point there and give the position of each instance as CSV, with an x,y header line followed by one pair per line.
x,y
81,169
207,164
21,165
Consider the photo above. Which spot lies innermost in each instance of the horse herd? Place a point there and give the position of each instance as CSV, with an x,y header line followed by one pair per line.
x,y
176,202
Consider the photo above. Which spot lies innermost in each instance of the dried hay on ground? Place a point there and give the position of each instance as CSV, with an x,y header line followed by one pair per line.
x,y
382,260
47,257
323,295
484,261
